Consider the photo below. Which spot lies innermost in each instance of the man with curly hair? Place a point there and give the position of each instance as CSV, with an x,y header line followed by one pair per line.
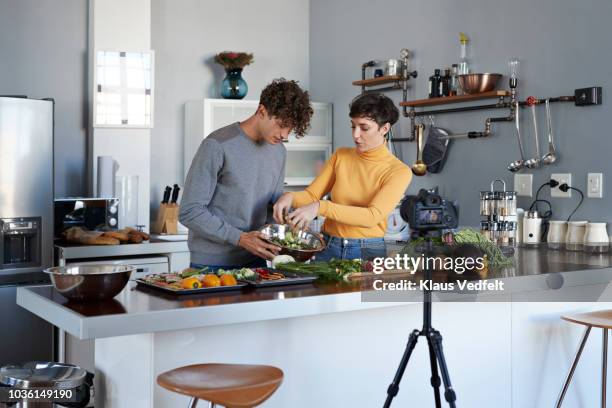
x,y
237,172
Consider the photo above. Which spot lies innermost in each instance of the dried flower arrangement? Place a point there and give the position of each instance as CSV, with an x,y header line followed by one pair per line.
x,y
233,60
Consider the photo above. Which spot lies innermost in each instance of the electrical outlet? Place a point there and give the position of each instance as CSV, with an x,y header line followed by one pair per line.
x,y
595,185
523,184
561,178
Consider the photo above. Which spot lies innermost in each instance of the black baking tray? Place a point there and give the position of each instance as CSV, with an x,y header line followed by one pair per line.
x,y
198,291
290,279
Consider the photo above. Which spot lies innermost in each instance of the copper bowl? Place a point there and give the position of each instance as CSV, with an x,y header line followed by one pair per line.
x,y
478,83
86,283
304,236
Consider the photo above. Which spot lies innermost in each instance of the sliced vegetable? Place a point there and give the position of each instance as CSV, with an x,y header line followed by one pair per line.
x,y
281,259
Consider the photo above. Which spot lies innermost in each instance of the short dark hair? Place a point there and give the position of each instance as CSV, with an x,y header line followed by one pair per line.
x,y
286,101
376,107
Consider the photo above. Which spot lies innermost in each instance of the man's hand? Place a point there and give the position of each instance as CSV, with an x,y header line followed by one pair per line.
x,y
255,243
281,207
300,218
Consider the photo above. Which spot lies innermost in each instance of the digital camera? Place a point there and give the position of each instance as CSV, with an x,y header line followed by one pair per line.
x,y
427,211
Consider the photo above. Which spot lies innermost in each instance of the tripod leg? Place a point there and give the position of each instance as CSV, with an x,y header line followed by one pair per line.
x,y
449,393
394,386
435,378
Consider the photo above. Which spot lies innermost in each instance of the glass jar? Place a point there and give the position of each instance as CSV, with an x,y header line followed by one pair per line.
x,y
485,203
507,204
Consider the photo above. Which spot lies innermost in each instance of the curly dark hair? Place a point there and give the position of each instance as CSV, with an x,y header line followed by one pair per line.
x,y
376,107
286,101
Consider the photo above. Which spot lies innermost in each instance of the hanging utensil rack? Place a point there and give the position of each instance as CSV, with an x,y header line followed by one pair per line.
x,y
505,99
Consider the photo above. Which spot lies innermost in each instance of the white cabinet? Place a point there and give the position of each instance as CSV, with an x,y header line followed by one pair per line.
x,y
304,155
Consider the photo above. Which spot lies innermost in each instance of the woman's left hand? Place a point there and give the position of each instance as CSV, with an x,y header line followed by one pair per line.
x,y
301,217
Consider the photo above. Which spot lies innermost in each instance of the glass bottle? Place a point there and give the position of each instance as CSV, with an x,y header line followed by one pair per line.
x,y
453,87
445,83
434,84
464,67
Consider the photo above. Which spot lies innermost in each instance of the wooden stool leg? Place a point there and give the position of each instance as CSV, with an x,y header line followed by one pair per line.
x,y
193,402
604,367
585,336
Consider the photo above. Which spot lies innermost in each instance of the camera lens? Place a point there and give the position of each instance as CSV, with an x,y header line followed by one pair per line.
x,y
432,200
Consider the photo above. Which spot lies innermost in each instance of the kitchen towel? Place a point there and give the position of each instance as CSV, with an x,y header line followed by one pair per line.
x,y
106,177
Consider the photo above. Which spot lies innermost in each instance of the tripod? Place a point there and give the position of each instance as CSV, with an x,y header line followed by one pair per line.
x,y
436,355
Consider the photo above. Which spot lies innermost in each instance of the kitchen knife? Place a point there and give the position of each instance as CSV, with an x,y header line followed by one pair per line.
x,y
175,193
167,192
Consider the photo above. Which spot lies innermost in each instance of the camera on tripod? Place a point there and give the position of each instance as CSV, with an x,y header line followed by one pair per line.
x,y
427,211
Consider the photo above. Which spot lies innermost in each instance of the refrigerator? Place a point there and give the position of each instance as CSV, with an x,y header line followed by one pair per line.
x,y
26,223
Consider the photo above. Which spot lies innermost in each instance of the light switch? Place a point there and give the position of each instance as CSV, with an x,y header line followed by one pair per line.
x,y
523,184
595,185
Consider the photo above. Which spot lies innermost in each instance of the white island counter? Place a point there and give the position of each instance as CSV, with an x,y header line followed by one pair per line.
x,y
507,349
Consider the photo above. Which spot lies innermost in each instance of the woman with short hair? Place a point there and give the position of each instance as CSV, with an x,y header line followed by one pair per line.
x,y
365,182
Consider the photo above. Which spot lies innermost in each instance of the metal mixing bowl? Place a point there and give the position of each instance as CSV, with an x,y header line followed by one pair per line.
x,y
478,83
307,237
85,283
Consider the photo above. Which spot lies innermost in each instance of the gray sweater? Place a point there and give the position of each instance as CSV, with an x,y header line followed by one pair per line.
x,y
230,184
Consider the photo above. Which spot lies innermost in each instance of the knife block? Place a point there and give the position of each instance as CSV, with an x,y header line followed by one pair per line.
x,y
167,219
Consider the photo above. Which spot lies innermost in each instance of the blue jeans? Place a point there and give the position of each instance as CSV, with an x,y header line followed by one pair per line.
x,y
258,263
352,248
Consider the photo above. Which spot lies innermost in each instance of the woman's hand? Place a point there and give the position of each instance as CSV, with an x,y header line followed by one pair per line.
x,y
281,207
300,218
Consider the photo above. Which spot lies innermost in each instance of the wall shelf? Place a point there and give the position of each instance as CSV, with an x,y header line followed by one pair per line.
x,y
378,81
455,99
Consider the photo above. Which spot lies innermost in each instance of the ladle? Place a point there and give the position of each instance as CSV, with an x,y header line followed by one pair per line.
x,y
534,162
551,156
518,164
419,168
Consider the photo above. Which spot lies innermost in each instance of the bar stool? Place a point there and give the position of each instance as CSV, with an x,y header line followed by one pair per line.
x,y
229,385
603,320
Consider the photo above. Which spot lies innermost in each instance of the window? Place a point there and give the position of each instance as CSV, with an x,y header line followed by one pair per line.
x,y
124,89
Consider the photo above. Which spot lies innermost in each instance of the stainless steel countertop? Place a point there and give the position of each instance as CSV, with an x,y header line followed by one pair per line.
x,y
538,275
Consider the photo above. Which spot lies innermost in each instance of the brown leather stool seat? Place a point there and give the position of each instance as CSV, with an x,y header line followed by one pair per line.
x,y
230,385
601,319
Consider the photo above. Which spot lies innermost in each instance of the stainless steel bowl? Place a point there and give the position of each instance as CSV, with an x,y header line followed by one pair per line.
x,y
307,237
478,83
86,283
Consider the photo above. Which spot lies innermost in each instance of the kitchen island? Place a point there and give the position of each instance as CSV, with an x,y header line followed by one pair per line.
x,y
339,344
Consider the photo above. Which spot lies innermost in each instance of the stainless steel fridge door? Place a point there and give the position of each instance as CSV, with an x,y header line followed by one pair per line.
x,y
23,335
26,167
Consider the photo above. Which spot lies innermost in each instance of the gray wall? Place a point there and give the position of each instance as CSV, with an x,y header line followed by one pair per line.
x,y
186,34
43,46
563,45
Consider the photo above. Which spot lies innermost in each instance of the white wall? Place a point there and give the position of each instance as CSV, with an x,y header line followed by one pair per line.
x,y
121,26
186,34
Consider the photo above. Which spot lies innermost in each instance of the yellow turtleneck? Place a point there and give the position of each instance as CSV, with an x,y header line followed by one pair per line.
x,y
365,188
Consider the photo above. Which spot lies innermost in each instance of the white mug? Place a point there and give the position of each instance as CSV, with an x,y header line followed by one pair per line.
x,y
596,237
557,231
574,239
